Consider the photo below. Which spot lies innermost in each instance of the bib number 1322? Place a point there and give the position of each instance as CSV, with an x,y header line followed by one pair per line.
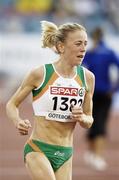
x,y
65,103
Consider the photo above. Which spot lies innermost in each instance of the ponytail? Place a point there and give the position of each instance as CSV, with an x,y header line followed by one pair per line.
x,y
49,31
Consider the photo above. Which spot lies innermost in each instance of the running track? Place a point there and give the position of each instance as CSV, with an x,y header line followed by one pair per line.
x,y
11,145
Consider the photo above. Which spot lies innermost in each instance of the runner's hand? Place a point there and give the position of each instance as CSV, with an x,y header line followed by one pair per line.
x,y
23,126
78,115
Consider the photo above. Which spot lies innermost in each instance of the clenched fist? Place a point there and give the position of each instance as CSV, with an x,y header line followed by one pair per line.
x,y
23,126
78,115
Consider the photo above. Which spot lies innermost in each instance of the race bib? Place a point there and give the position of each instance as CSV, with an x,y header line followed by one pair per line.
x,y
63,98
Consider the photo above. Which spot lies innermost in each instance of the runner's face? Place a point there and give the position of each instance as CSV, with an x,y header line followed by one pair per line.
x,y
75,47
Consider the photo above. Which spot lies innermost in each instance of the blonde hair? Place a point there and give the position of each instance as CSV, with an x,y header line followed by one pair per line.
x,y
51,34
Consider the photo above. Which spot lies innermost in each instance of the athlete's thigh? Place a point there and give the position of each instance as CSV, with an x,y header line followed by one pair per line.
x,y
39,166
65,171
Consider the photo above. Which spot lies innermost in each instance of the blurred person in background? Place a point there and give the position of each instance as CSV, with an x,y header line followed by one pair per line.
x,y
62,97
99,59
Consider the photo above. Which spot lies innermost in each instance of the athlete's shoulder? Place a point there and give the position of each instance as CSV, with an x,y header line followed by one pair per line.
x,y
36,75
90,79
37,72
89,74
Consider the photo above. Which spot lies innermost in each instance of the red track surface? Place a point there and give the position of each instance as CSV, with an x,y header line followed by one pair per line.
x,y
11,147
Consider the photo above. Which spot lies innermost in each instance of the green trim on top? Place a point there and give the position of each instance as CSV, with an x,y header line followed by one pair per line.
x,y
80,72
49,71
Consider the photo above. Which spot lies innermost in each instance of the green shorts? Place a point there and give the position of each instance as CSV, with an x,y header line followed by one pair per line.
x,y
57,155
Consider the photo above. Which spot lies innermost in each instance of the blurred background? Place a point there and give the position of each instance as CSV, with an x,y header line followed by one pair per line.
x,y
20,51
